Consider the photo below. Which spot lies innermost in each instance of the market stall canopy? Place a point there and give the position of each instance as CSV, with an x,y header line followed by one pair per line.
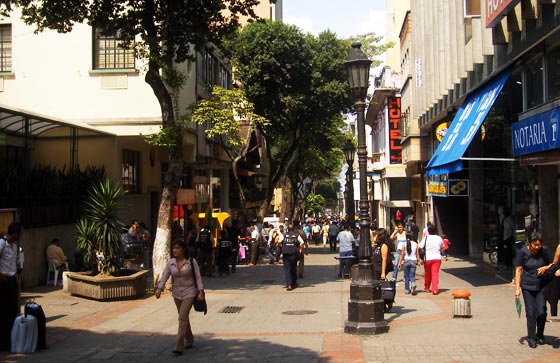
x,y
449,154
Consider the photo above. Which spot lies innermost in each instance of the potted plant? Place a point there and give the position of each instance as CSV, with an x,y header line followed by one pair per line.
x,y
100,238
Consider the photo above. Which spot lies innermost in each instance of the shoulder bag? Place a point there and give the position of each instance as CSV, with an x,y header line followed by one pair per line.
x,y
199,305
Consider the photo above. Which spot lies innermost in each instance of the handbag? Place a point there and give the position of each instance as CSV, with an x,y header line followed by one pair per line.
x,y
199,305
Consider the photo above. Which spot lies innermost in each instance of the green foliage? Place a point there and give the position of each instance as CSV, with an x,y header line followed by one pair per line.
x,y
166,137
370,46
100,229
296,81
229,114
314,203
45,184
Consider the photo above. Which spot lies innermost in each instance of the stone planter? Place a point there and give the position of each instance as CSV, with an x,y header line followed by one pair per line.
x,y
107,288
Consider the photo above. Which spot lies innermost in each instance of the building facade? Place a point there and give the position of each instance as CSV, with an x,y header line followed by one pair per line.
x,y
78,100
484,97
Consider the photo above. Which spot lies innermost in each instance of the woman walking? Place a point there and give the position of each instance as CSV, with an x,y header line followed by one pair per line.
x,y
433,245
410,258
184,271
382,262
399,238
528,266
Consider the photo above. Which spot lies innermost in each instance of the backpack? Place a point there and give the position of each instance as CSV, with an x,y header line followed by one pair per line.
x,y
205,240
290,244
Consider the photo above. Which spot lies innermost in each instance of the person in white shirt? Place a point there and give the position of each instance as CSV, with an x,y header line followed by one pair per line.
x,y
432,262
346,240
255,240
410,258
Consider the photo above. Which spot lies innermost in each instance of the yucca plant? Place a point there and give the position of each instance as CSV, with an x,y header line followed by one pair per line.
x,y
100,229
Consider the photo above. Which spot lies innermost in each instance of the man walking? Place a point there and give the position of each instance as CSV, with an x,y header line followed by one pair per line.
x,y
333,232
291,249
205,245
304,250
346,240
9,293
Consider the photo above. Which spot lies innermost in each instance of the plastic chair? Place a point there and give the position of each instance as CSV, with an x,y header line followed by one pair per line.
x,y
55,271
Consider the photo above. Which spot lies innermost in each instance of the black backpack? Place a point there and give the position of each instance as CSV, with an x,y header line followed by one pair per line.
x,y
205,240
290,244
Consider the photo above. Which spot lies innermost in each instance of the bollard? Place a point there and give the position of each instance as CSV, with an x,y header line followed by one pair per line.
x,y
461,304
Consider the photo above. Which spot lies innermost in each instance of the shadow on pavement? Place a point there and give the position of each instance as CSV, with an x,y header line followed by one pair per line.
x,y
68,345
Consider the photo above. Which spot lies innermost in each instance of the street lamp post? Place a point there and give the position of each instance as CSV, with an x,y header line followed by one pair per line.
x,y
365,306
349,151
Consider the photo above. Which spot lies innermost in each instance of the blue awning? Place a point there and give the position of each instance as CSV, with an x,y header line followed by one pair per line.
x,y
447,157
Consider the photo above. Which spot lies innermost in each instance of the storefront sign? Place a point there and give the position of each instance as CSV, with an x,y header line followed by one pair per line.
x,y
437,189
536,133
458,187
395,148
185,196
496,10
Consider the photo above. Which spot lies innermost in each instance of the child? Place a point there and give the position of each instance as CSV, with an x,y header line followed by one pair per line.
x,y
446,244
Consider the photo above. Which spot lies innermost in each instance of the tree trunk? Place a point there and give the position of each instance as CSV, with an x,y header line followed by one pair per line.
x,y
162,242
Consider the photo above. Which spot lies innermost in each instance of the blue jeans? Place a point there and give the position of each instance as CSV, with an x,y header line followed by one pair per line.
x,y
268,251
396,264
409,271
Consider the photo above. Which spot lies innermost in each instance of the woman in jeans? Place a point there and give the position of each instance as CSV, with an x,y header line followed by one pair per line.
x,y
184,291
410,257
399,238
432,262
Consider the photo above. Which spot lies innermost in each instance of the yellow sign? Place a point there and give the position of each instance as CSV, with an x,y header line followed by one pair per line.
x,y
437,188
441,130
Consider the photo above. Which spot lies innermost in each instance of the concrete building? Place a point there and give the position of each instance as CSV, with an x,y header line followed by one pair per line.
x,y
80,99
485,75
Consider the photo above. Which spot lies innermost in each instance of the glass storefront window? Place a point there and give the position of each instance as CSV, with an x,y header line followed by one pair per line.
x,y
553,73
534,81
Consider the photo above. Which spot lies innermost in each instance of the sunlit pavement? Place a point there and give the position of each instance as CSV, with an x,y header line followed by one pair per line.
x,y
252,318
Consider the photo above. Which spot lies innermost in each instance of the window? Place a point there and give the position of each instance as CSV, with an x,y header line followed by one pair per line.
x,y
131,171
534,81
112,53
471,8
553,73
5,47
210,71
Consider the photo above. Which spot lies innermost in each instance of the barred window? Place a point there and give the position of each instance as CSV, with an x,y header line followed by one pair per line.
x,y
5,47
131,171
112,53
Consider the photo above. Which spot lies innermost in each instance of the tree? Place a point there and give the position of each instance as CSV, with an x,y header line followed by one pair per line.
x,y
233,121
168,32
299,83
314,203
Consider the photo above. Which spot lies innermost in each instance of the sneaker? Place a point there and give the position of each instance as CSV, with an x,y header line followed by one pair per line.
x,y
407,292
414,290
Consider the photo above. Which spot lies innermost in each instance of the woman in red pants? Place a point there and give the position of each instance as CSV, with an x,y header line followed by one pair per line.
x,y
433,245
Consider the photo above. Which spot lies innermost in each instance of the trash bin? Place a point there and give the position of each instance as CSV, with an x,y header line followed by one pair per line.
x,y
461,304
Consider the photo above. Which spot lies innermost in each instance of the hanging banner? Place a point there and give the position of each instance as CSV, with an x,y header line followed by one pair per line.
x,y
395,148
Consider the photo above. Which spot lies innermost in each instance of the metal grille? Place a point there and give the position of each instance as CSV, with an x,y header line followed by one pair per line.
x,y
300,312
231,309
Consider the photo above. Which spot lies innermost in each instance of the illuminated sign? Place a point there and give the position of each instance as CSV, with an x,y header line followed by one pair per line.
x,y
395,148
458,188
437,189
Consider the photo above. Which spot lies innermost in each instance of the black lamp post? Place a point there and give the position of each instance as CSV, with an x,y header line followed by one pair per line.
x,y
349,151
365,306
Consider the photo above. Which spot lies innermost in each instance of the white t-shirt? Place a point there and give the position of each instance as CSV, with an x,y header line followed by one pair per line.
x,y
434,244
345,238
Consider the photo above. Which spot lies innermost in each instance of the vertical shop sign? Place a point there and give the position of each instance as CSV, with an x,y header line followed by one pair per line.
x,y
395,148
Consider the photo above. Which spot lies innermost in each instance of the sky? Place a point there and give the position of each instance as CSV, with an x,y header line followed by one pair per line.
x,y
344,17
